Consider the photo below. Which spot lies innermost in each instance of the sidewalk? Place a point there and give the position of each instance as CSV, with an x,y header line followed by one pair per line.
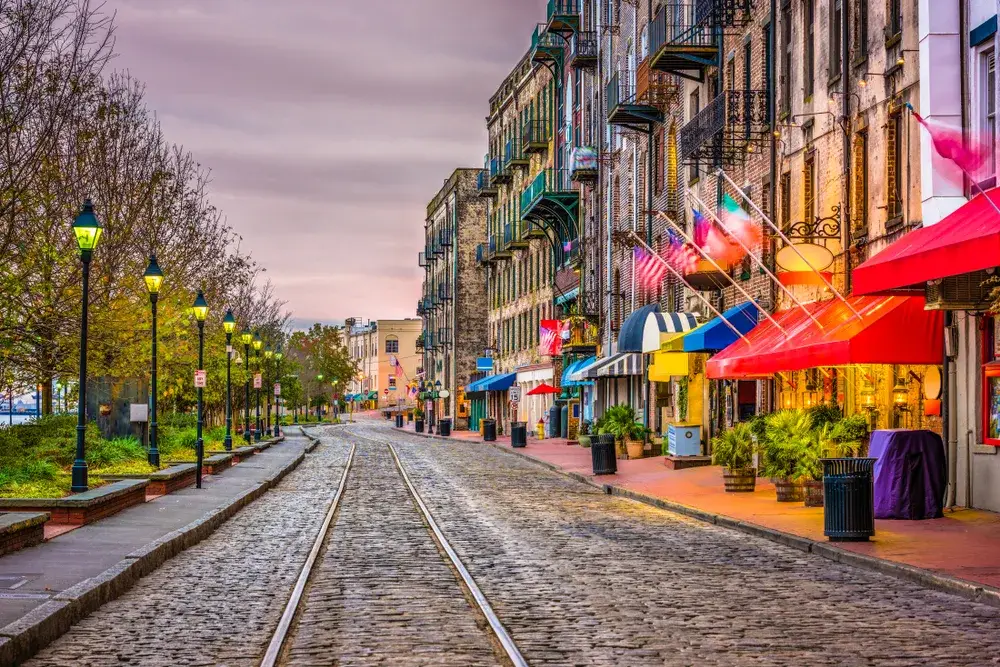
x,y
32,577
963,545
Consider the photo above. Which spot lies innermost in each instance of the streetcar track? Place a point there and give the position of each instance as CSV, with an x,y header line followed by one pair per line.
x,y
281,642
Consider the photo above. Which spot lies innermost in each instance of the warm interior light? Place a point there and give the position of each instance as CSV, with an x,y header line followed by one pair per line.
x,y
900,394
868,397
87,228
862,83
200,307
229,322
153,276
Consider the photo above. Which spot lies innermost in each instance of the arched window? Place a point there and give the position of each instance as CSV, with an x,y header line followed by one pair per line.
x,y
616,304
391,345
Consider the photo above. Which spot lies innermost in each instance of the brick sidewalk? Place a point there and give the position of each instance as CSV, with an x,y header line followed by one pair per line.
x,y
964,545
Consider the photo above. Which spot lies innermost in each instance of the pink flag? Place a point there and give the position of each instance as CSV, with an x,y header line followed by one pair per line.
x,y
950,144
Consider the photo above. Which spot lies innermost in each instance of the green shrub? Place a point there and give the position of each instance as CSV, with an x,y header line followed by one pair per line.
x,y
788,440
823,414
125,468
179,420
734,448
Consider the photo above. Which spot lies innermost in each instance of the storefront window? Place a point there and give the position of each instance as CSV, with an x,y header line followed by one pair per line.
x,y
991,381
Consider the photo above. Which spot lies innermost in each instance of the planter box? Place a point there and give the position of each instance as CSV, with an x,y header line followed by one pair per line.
x,y
216,463
171,479
238,453
80,509
682,462
19,530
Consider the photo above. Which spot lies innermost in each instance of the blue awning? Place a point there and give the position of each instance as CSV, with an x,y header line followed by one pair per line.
x,y
498,382
568,296
715,335
575,367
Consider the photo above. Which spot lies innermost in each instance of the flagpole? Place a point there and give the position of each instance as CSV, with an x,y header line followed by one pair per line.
x,y
763,266
718,268
791,245
680,277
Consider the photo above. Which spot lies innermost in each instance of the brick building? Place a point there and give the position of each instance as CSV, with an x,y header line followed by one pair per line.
x,y
373,346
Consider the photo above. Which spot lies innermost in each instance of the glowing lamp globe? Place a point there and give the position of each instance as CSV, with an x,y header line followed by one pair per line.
x,y
246,337
200,307
229,322
257,342
153,276
87,228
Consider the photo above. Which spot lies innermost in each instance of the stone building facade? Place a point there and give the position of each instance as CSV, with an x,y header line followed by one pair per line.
x,y
454,329
373,346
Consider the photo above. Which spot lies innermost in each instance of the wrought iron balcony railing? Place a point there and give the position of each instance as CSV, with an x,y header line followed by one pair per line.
x,y
491,249
420,341
513,155
484,184
420,307
480,253
535,136
444,335
444,237
720,132
548,181
583,49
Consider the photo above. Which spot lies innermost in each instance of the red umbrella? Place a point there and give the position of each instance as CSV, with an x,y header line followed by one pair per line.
x,y
543,388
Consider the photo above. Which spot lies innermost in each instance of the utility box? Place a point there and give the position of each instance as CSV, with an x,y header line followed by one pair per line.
x,y
684,439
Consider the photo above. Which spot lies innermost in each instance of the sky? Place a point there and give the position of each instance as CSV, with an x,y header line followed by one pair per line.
x,y
328,125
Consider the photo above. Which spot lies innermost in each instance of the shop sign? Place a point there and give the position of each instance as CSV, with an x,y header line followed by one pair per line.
x,y
257,381
277,389
200,379
484,364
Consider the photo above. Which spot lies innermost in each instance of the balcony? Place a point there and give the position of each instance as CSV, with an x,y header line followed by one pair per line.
x,y
444,336
584,336
481,254
497,174
546,47
420,307
519,238
563,16
583,164
583,50
625,108
723,132
535,136
514,156
444,238
503,247
420,342
551,198
682,39
444,292
422,259
484,184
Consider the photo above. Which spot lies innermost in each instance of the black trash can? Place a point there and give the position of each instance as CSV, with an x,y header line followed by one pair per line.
x,y
418,425
489,430
519,434
602,453
399,420
444,426
555,421
848,499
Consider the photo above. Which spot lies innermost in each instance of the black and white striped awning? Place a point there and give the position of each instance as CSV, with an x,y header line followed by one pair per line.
x,y
617,365
660,324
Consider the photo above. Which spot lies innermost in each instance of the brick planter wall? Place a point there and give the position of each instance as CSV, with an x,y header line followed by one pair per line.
x,y
82,508
19,530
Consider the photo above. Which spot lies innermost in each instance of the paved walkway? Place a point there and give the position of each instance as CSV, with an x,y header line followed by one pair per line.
x,y
58,564
964,544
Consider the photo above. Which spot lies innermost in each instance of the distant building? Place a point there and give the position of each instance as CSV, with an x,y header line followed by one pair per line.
x,y
374,346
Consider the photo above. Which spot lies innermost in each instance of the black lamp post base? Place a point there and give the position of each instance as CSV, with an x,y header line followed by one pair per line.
x,y
79,478
154,457
228,443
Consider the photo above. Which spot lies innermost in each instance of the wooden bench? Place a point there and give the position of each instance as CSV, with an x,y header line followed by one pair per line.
x,y
80,509
19,530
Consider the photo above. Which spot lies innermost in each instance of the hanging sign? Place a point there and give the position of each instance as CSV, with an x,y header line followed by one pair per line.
x,y
484,364
257,381
200,379
277,389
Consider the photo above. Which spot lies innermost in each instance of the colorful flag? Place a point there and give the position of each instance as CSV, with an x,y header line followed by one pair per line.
x,y
737,223
724,251
701,227
682,257
950,144
550,338
649,270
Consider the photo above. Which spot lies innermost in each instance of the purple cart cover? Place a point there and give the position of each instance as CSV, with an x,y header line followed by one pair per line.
x,y
910,474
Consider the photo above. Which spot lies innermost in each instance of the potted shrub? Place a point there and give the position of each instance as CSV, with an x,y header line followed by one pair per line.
x,y
620,421
810,466
418,419
583,437
734,450
788,438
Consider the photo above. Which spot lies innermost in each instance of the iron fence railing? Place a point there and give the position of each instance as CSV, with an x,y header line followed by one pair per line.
x,y
547,180
583,47
734,116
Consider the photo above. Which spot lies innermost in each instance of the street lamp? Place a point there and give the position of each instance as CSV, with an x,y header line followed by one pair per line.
x,y
277,396
229,325
87,229
336,401
319,406
268,355
246,337
257,344
200,313
154,278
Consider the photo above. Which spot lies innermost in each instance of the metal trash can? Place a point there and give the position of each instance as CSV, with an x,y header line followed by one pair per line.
x,y
602,453
489,430
555,413
519,434
848,499
444,426
418,425
399,420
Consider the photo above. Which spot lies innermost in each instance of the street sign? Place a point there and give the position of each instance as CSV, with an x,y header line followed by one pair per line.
x,y
484,364
200,379
138,412
257,381
514,394
277,389
385,391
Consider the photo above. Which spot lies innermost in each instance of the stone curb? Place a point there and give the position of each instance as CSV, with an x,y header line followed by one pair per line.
x,y
44,624
940,582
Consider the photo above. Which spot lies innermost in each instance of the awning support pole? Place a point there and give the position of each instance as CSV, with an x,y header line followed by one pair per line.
x,y
791,245
677,274
739,288
759,261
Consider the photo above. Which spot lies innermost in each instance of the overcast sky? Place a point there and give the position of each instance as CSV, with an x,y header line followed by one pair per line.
x,y
328,125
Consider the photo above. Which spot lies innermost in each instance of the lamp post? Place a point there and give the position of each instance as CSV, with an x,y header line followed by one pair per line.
x,y
336,401
319,403
268,355
247,338
278,355
229,325
154,278
200,313
257,344
429,389
87,229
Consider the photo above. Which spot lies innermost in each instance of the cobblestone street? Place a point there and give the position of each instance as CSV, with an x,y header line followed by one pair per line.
x,y
576,576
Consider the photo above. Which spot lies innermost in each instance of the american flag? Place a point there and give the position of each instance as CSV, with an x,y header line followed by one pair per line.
x,y
701,228
649,270
681,255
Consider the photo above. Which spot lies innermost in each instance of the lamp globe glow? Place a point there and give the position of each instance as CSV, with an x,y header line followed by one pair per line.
x,y
153,276
200,307
87,228
229,322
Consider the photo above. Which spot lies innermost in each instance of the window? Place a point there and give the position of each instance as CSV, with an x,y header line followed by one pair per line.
x,y
809,187
786,57
616,301
731,74
894,167
860,207
809,42
786,200
747,85
392,382
836,35
694,106
861,31
768,64
657,166
991,381
673,196
988,115
894,20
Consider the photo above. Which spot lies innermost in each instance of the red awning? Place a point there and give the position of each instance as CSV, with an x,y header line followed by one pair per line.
x,y
967,240
892,330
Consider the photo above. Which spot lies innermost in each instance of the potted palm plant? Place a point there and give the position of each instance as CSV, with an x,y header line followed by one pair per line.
x,y
842,438
787,440
620,422
583,437
734,450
